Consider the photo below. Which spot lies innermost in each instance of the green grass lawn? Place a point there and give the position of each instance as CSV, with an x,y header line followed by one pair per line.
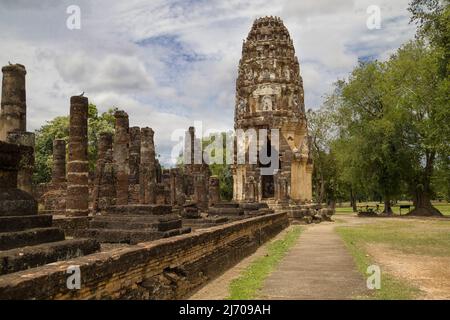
x,y
423,237
444,207
251,281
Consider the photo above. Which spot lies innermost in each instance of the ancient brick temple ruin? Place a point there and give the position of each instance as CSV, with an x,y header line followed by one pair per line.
x,y
13,121
28,240
137,230
269,95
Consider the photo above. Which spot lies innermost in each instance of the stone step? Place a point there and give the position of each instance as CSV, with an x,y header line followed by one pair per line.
x,y
260,212
118,235
253,205
226,211
128,236
131,222
11,240
15,202
168,225
141,209
134,218
127,225
205,222
19,223
227,205
30,257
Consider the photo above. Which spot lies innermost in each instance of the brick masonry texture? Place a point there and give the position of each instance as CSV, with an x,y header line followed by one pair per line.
x,y
170,268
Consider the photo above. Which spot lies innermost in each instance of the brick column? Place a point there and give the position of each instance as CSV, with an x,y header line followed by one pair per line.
x,y
13,201
214,191
59,162
13,105
200,191
26,165
104,187
147,172
77,201
135,161
121,156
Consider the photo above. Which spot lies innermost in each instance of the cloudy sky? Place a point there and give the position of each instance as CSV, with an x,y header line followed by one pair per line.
x,y
170,63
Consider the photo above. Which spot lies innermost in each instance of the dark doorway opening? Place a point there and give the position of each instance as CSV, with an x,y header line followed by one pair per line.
x,y
268,190
267,180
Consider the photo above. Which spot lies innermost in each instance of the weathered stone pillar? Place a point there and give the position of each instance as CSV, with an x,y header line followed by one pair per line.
x,y
107,190
135,161
101,182
189,144
26,165
77,201
121,156
54,199
59,163
176,187
13,202
105,143
250,193
200,191
173,186
214,190
282,193
147,172
13,105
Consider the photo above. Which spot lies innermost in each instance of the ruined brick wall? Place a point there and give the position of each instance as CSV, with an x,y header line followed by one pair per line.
x,y
170,268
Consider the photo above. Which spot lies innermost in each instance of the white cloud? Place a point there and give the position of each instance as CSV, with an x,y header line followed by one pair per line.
x,y
171,62
110,72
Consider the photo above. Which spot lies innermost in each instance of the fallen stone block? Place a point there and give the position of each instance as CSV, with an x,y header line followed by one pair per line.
x,y
307,219
176,232
166,225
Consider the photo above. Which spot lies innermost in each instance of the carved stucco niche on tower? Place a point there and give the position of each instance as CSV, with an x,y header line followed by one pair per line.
x,y
269,95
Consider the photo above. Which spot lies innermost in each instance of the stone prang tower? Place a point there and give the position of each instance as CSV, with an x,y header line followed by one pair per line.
x,y
269,95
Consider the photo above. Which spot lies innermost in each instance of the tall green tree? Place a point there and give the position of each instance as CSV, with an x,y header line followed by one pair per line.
x,y
368,140
432,18
420,98
322,130
221,170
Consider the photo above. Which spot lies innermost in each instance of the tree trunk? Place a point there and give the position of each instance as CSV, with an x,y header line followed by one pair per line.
x,y
387,206
422,199
322,189
318,195
423,206
353,201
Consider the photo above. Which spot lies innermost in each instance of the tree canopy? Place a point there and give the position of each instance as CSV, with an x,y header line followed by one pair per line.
x,y
389,121
58,128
